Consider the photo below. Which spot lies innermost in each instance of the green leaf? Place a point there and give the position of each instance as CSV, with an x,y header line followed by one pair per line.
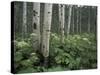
x,y
18,56
26,63
23,44
67,61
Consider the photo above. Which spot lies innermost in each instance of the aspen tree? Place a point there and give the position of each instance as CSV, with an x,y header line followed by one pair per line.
x,y
80,18
77,18
62,20
24,25
89,19
36,26
69,19
46,31
73,21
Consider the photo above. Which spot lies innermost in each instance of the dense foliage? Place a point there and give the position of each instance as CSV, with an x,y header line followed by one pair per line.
x,y
77,52
35,51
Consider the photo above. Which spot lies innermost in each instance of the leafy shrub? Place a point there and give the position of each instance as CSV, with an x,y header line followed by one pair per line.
x,y
77,52
25,57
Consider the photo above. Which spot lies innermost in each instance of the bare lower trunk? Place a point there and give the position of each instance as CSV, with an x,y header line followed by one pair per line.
x,y
36,26
24,26
73,21
46,31
80,18
89,20
69,19
77,19
62,20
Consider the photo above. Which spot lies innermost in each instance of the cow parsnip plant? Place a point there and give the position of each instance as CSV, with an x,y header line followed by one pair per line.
x,y
77,52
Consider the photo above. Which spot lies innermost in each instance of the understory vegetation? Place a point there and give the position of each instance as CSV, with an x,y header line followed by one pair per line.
x,y
77,52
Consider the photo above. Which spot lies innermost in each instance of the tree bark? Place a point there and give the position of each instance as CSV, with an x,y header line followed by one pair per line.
x,y
77,18
73,21
62,20
69,19
24,26
89,20
46,32
80,18
46,29
36,26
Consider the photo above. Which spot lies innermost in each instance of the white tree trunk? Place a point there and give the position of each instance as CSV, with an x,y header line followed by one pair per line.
x,y
24,26
69,19
89,20
36,26
73,20
46,29
77,18
80,18
62,20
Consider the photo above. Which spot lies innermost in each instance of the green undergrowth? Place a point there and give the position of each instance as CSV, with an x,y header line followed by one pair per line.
x,y
77,52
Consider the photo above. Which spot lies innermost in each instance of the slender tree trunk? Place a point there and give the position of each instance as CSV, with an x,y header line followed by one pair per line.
x,y
62,20
36,26
77,19
73,21
46,31
89,20
69,19
24,26
80,18
95,19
